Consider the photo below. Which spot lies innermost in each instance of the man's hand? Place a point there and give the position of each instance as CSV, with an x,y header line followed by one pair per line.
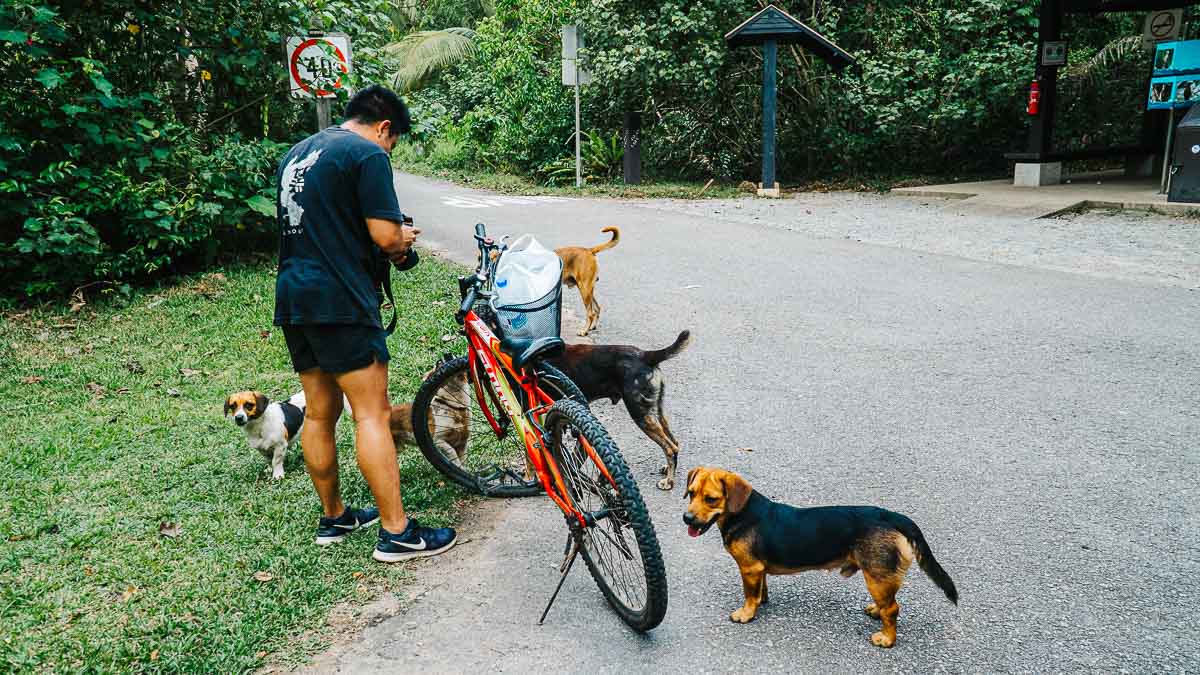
x,y
394,239
408,236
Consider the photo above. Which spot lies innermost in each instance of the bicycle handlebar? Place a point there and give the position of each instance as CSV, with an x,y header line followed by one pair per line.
x,y
469,285
467,303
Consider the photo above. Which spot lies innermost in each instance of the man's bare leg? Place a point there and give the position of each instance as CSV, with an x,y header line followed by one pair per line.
x,y
323,407
367,390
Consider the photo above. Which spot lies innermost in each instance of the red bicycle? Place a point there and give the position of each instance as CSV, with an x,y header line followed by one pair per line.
x,y
502,422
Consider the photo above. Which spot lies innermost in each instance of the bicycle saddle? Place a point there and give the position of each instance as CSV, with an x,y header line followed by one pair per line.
x,y
523,352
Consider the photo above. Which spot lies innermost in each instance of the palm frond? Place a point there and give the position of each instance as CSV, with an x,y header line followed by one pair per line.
x,y
1109,55
423,53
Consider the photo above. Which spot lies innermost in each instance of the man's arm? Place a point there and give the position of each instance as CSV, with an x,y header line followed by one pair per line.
x,y
395,239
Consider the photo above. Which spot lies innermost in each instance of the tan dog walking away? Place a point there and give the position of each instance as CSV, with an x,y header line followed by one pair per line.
x,y
580,269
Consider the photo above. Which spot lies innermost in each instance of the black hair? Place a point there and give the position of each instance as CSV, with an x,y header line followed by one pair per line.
x,y
375,104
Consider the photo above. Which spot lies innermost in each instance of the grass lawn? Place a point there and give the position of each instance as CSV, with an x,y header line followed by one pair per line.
x,y
111,425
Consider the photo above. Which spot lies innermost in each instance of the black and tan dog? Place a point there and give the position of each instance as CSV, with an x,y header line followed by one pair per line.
x,y
629,374
766,537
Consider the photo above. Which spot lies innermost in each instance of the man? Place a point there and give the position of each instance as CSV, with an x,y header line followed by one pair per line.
x,y
336,205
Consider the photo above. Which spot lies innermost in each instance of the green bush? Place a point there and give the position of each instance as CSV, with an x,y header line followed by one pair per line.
x,y
939,87
600,157
139,140
451,148
509,101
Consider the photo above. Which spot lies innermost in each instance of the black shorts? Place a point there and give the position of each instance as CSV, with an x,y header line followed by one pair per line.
x,y
335,347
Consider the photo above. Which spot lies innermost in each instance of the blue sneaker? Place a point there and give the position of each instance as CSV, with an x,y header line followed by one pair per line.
x,y
414,542
333,530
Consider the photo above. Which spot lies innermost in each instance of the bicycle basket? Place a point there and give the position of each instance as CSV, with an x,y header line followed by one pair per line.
x,y
538,319
528,300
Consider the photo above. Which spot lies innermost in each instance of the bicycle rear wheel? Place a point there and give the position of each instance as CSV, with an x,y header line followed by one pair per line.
x,y
457,439
619,545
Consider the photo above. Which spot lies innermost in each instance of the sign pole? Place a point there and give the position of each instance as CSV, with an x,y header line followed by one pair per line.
x,y
578,156
323,114
1164,180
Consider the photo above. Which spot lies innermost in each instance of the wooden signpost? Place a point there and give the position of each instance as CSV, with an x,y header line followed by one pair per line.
x,y
317,66
769,28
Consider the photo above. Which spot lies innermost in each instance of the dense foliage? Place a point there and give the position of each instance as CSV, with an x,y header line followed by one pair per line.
x,y
939,87
138,139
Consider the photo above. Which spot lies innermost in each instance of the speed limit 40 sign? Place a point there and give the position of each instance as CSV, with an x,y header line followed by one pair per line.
x,y
318,64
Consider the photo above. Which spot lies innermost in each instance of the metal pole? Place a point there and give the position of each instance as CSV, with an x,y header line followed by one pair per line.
x,y
578,156
768,122
1162,186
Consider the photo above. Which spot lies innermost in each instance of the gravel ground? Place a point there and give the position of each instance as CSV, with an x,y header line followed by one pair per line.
x,y
1117,244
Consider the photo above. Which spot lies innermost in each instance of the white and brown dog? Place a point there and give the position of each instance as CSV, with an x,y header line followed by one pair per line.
x,y
271,427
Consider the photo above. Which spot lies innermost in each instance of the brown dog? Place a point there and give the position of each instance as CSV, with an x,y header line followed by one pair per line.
x,y
580,269
449,419
766,537
624,373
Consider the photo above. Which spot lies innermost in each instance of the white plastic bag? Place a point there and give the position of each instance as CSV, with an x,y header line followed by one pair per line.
x,y
526,272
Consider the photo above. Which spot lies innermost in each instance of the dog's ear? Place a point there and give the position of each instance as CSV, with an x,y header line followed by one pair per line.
x,y
260,404
228,405
690,477
737,492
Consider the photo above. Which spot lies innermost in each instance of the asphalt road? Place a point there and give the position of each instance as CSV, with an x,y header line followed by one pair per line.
x,y
1041,427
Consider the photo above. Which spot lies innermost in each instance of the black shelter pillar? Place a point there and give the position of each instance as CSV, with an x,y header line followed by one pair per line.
x,y
631,139
1041,131
768,111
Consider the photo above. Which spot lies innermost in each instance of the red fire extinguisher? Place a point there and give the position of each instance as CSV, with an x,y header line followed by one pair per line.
x,y
1035,95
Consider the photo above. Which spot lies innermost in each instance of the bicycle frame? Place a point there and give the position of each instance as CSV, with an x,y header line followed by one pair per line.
x,y
484,350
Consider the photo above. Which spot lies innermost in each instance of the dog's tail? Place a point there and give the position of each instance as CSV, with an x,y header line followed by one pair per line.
x,y
653,358
616,237
925,559
299,401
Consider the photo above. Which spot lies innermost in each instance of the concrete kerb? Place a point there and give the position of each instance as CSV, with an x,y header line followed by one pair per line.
x,y
1051,207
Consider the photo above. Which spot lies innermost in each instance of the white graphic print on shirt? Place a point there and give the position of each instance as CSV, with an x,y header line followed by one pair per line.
x,y
292,185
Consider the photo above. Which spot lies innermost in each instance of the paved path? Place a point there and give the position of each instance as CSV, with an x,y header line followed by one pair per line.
x,y
1042,427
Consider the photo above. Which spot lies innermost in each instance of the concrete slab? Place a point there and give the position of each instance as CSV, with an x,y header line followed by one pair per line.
x,y
1037,175
1112,190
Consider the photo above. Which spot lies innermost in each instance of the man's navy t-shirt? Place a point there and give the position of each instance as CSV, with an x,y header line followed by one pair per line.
x,y
327,186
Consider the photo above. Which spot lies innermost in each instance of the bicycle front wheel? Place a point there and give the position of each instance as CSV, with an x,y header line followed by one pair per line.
x,y
457,439
619,545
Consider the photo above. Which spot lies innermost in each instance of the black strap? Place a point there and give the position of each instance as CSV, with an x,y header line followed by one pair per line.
x,y
387,291
410,261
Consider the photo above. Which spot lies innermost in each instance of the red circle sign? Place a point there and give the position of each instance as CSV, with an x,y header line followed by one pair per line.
x,y
1162,25
312,42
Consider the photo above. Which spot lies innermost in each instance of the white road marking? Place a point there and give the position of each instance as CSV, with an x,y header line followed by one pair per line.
x,y
466,202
